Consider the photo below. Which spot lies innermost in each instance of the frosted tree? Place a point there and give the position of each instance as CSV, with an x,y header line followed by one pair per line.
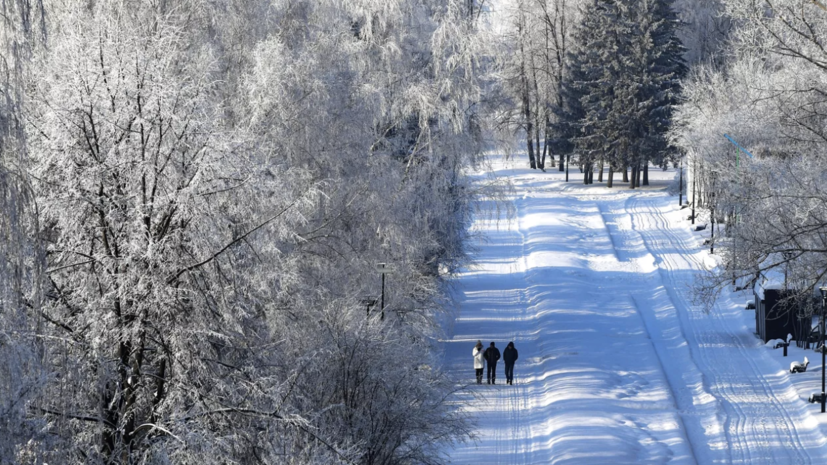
x,y
385,136
704,31
214,198
589,81
657,70
535,39
769,98
386,145
145,199
21,257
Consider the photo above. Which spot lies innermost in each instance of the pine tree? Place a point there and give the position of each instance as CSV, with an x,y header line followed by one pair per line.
x,y
655,68
622,81
581,86
667,68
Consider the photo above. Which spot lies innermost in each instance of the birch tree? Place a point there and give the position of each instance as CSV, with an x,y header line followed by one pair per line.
x,y
536,39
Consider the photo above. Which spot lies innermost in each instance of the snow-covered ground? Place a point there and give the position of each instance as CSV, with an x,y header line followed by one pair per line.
x,y
616,363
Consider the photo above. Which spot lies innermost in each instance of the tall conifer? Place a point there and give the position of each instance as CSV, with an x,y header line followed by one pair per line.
x,y
622,80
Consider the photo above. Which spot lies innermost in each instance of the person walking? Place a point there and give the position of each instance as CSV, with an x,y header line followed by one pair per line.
x,y
509,357
479,363
491,355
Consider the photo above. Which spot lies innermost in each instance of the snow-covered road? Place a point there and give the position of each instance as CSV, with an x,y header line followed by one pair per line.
x,y
616,364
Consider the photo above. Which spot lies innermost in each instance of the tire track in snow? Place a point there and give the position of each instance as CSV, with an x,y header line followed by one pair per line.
x,y
518,423
756,422
671,349
509,397
745,421
503,434
741,344
695,340
738,421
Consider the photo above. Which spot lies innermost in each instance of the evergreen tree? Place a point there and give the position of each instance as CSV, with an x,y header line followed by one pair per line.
x,y
581,86
659,65
669,66
621,82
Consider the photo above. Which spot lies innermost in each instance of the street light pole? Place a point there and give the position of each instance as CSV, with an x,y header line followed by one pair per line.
x,y
680,185
694,182
712,211
823,396
712,231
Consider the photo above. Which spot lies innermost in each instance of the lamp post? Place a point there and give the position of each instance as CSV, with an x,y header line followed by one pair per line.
x,y
694,181
712,231
738,150
821,398
712,217
368,302
680,184
823,298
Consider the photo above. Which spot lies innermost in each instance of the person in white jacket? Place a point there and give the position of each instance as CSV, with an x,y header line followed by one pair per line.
x,y
479,365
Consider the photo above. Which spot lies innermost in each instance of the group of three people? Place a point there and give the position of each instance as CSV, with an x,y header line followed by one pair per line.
x,y
489,357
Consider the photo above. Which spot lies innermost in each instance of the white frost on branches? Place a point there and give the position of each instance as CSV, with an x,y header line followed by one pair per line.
x,y
214,187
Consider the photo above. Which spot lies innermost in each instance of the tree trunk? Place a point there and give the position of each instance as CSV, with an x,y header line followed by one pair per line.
x,y
541,163
568,158
545,149
600,171
611,176
526,100
547,143
585,174
531,160
625,173
564,168
537,113
646,173
638,172
591,174
633,178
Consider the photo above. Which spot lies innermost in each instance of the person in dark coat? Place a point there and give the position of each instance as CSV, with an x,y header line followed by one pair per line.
x,y
509,357
491,355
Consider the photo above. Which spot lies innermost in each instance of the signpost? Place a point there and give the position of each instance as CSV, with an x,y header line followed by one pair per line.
x,y
739,150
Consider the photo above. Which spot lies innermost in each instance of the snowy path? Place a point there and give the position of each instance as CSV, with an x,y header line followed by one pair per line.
x,y
616,365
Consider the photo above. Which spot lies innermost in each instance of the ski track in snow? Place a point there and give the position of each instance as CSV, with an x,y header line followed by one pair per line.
x,y
616,365
761,413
